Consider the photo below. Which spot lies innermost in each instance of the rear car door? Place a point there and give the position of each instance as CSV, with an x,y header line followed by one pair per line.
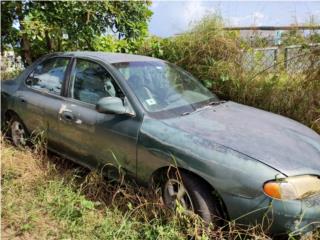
x,y
41,96
96,139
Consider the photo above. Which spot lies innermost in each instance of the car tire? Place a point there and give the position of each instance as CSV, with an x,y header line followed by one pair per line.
x,y
18,132
198,198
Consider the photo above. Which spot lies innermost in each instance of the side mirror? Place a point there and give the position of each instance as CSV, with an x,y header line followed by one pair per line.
x,y
111,105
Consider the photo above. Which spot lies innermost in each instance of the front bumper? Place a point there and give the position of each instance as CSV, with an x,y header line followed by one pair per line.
x,y
295,217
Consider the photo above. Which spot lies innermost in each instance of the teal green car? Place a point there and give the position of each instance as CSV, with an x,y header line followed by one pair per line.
x,y
157,123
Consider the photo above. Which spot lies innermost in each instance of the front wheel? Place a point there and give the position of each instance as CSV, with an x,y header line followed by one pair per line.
x,y
194,195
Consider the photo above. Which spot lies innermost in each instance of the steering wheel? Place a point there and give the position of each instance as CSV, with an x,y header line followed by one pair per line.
x,y
148,91
171,94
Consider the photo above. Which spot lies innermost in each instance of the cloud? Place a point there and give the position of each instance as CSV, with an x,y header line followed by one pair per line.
x,y
256,18
316,15
173,17
154,5
192,12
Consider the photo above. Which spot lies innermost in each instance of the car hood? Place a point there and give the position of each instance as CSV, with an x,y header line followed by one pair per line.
x,y
278,142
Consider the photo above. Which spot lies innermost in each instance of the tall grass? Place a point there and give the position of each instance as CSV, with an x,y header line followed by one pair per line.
x,y
48,197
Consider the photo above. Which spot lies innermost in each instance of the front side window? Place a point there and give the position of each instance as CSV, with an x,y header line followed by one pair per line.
x,y
91,82
162,86
49,75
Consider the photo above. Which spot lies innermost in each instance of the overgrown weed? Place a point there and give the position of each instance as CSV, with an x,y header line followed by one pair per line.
x,y
47,197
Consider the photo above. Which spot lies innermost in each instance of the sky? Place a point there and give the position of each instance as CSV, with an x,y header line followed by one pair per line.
x,y
173,17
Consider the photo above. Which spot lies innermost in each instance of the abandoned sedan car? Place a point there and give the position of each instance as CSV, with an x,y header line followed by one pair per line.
x,y
146,116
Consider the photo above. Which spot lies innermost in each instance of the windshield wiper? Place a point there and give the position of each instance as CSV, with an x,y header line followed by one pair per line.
x,y
216,102
212,103
185,113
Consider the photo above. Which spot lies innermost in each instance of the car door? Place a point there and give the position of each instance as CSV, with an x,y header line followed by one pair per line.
x,y
41,97
96,139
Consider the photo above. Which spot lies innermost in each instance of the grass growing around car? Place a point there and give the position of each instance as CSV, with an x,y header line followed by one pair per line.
x,y
49,198
46,197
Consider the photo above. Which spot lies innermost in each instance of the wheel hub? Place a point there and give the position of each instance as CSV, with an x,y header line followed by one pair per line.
x,y
18,134
175,192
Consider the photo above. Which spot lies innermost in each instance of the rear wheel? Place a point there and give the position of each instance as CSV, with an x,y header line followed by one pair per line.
x,y
194,195
18,132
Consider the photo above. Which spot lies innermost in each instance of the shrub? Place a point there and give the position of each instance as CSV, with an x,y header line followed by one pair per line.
x,y
5,75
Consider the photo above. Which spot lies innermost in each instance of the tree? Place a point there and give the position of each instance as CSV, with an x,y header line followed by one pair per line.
x,y
13,12
35,27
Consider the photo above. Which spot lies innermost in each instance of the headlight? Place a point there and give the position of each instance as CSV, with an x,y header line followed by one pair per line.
x,y
291,188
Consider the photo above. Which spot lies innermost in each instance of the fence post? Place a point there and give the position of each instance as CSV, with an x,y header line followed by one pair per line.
x,y
286,58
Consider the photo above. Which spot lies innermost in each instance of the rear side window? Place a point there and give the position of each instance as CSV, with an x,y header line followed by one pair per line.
x,y
49,75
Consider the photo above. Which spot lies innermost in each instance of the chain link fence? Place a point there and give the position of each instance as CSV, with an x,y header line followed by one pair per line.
x,y
297,58
293,59
259,59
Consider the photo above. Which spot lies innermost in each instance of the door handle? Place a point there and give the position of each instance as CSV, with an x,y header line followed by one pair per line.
x,y
67,115
22,100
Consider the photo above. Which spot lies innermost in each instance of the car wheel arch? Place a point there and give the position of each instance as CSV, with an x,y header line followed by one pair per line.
x,y
159,175
8,115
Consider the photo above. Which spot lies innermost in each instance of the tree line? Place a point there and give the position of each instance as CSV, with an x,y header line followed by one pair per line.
x,y
34,28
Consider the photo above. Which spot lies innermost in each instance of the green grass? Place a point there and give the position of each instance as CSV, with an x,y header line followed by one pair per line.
x,y
51,198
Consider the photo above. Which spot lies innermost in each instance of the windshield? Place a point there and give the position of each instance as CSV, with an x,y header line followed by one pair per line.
x,y
162,86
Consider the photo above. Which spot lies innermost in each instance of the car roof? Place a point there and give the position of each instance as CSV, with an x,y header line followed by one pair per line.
x,y
110,57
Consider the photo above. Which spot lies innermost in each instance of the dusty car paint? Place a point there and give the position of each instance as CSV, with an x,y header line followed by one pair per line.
x,y
235,148
249,130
